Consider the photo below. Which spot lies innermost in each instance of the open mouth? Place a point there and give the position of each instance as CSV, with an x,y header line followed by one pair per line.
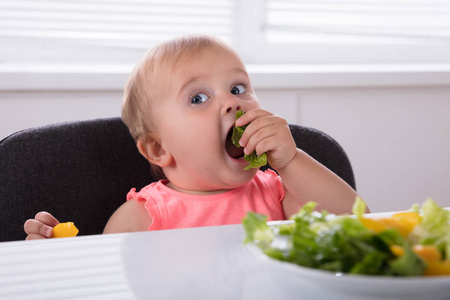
x,y
231,149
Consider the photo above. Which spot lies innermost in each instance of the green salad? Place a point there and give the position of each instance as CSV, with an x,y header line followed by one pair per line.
x,y
254,160
410,243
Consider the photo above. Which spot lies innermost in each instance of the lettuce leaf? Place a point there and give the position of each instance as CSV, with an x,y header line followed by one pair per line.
x,y
435,219
257,229
434,227
238,130
254,160
359,208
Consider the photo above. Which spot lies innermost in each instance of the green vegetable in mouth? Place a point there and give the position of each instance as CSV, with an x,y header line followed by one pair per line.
x,y
254,160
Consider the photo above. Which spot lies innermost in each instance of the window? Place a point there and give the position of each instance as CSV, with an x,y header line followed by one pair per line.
x,y
263,31
104,30
356,31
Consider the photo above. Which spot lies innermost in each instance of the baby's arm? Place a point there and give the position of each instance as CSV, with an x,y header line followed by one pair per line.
x,y
304,179
41,227
130,217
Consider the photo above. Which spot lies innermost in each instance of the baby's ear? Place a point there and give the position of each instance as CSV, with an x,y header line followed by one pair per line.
x,y
151,149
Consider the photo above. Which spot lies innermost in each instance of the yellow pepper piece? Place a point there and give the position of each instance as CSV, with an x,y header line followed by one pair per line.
x,y
427,252
437,268
394,224
381,224
432,257
65,230
373,224
403,222
397,250
409,220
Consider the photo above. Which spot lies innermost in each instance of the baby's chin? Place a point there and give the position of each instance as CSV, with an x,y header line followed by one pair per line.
x,y
229,183
225,174
241,177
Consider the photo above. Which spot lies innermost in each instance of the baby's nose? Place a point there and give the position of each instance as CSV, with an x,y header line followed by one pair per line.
x,y
236,108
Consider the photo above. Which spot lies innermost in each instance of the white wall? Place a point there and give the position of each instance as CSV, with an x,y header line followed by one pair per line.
x,y
26,109
395,136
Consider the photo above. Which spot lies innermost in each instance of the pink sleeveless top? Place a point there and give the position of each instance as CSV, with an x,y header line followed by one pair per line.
x,y
170,209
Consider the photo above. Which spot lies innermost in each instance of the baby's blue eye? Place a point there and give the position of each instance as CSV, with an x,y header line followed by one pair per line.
x,y
199,98
238,89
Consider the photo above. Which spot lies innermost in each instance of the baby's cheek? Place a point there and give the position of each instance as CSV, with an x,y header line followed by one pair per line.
x,y
256,103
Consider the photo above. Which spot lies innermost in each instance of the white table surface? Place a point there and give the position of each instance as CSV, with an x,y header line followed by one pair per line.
x,y
195,263
71,268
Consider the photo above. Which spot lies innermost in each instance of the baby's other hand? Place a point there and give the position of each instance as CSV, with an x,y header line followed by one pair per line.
x,y
41,227
269,133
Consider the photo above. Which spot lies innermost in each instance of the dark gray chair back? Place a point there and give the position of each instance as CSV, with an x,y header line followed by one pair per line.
x,y
81,171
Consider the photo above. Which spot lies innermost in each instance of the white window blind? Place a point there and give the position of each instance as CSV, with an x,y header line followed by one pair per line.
x,y
105,29
386,30
263,31
358,21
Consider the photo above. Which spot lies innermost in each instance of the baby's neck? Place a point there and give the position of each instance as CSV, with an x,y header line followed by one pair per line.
x,y
212,192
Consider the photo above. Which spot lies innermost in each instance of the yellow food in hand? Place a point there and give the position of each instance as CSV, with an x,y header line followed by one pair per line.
x,y
65,230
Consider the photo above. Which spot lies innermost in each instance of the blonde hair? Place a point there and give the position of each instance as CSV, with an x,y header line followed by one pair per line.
x,y
152,71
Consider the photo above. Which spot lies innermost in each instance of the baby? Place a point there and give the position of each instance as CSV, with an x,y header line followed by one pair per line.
x,y
180,106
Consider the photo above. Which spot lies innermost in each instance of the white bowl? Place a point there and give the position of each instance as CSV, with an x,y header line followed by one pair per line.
x,y
273,279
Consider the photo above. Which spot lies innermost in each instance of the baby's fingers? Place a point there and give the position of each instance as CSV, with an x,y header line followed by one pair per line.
x,y
37,230
46,218
261,141
251,115
255,127
41,226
